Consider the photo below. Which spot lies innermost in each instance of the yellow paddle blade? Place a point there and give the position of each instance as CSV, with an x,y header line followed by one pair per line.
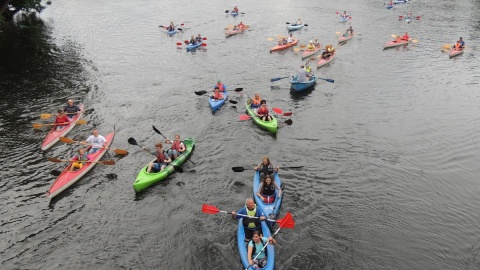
x,y
313,58
296,49
394,36
120,151
45,115
338,33
280,37
66,140
37,125
57,160
303,46
447,46
106,162
414,40
270,39
230,26
81,122
227,28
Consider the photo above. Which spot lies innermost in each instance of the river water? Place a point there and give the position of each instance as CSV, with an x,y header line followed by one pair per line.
x,y
390,149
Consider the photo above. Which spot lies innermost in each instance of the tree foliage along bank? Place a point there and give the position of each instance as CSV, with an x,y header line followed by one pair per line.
x,y
8,8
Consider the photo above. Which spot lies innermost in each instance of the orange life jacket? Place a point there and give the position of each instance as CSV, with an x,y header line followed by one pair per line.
x,y
256,101
217,95
457,45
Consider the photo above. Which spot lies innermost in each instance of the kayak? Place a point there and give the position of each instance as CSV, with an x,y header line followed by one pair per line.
x,y
284,47
234,14
395,43
345,39
408,19
53,136
269,209
323,62
191,46
293,27
242,246
308,53
389,6
400,1
454,52
344,19
215,104
171,33
300,86
145,179
234,32
68,178
271,126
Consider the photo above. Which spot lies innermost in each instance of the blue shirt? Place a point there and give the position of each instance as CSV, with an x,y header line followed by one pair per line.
x,y
258,247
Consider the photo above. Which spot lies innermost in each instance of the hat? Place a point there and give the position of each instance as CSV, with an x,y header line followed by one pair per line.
x,y
311,41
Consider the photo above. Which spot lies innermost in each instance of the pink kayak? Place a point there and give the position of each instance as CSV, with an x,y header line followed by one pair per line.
x,y
234,32
308,53
68,178
345,39
53,136
395,43
284,47
455,52
323,61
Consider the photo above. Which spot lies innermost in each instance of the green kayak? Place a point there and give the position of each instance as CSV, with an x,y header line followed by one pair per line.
x,y
145,179
271,126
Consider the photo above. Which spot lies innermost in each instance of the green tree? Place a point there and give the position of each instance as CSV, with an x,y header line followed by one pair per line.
x,y
8,8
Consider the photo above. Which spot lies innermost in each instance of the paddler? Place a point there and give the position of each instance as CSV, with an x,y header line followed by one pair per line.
x,y
266,190
262,111
290,38
171,27
299,21
216,94
250,224
316,43
177,147
302,74
96,141
462,43
235,9
79,157
199,38
61,120
193,41
256,250
220,86
405,37
71,109
241,26
255,101
162,159
311,46
266,167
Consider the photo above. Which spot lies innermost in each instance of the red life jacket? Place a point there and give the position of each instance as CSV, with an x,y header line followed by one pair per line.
x,y
63,119
262,111
176,146
217,95
220,87
161,157
457,45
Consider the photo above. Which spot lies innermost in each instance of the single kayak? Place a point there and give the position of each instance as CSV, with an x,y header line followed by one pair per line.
x,y
325,61
395,43
271,126
242,246
269,209
293,27
342,19
454,52
53,136
68,178
171,33
145,179
284,47
400,1
389,6
345,38
230,33
234,14
408,19
308,53
215,104
191,46
300,86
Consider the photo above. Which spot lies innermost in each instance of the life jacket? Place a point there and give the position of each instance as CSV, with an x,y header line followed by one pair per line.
x,y
268,190
83,158
457,45
161,157
251,223
241,26
193,41
266,169
220,87
256,101
254,250
405,37
71,109
176,145
60,120
308,69
262,110
218,95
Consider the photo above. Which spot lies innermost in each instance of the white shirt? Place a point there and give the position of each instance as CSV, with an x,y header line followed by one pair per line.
x,y
290,39
97,142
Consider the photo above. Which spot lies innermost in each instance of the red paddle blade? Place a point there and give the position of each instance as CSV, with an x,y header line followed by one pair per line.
x,y
179,44
336,12
185,41
244,117
204,44
277,110
209,209
204,38
287,221
287,114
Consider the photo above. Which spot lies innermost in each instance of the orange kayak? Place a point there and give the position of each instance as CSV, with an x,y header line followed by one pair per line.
x,y
284,47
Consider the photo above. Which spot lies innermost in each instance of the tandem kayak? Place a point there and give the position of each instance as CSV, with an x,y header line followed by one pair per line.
x,y
271,126
454,52
284,47
215,104
293,27
68,178
53,136
342,19
145,179
395,43
191,46
308,53
300,86
269,209
171,33
242,246
230,33
324,61
345,38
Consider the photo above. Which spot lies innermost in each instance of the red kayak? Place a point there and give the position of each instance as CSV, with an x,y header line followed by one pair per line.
x,y
308,53
455,52
284,47
53,136
68,178
323,61
344,38
234,32
395,43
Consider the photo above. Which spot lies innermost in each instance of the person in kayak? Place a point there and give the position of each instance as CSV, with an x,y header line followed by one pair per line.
x,y
262,111
193,41
302,74
96,141
78,158
266,167
329,50
235,28
199,38
250,224
462,43
177,147
282,41
171,27
255,101
71,109
266,190
316,43
398,39
162,159
405,37
220,86
256,250
235,9
348,32
290,38
311,46
241,26
216,94
61,120
409,15
299,21
344,14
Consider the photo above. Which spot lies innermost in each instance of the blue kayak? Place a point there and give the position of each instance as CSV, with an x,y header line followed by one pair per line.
x,y
234,14
191,46
242,246
215,104
173,32
400,1
269,209
300,86
344,19
389,6
408,19
293,27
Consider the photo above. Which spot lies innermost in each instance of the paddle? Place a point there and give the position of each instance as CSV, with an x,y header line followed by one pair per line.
x,y
280,111
158,131
212,210
173,26
287,222
276,200
104,162
48,115
227,11
132,141
245,117
279,78
117,151
40,125
241,169
203,92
